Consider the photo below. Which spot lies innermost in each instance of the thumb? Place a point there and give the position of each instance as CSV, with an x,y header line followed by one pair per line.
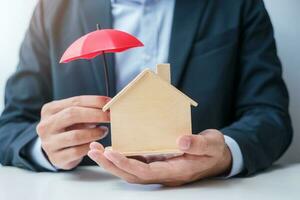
x,y
206,143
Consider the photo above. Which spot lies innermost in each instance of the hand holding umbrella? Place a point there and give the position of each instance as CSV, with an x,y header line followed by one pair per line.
x,y
99,43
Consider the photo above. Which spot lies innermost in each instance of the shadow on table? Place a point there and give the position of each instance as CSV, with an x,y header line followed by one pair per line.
x,y
91,175
213,183
204,184
275,167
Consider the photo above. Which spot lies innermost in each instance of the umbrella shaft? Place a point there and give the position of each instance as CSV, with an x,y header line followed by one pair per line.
x,y
106,76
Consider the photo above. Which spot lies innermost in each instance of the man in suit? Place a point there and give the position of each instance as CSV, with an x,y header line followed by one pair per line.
x,y
222,54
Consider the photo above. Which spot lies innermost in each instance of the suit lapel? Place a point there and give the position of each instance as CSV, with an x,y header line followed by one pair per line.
x,y
187,15
99,12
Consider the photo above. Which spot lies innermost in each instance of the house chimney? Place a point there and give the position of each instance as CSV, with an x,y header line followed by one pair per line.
x,y
164,71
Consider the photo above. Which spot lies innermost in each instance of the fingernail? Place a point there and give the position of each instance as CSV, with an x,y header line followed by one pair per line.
x,y
185,143
91,126
105,131
94,145
107,154
104,128
93,154
110,156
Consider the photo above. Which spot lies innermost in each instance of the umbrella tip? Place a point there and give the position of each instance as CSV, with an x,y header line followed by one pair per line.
x,y
98,26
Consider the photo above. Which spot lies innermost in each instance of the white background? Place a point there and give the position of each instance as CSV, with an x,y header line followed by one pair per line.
x,y
15,15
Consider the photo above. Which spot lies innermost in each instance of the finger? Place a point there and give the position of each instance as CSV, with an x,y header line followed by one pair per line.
x,y
81,126
207,143
97,156
69,155
73,164
78,137
145,172
71,116
96,146
80,101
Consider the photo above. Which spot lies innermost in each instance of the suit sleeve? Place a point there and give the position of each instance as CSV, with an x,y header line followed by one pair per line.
x,y
27,90
262,125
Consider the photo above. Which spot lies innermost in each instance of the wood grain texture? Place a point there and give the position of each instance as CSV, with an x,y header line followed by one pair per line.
x,y
148,116
164,72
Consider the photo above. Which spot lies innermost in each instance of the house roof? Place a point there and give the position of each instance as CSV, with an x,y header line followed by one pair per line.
x,y
137,79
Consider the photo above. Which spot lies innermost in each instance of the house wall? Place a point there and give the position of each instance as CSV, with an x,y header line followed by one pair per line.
x,y
149,117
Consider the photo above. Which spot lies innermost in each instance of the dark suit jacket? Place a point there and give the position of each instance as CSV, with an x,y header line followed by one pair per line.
x,y
222,53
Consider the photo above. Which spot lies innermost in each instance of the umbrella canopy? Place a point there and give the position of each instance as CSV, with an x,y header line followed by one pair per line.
x,y
100,42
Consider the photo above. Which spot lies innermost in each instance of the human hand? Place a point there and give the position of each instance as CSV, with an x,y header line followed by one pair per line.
x,y
205,155
68,126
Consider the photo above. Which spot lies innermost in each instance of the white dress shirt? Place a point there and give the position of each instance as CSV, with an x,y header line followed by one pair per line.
x,y
151,22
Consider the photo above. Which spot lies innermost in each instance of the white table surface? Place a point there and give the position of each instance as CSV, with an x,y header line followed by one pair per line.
x,y
279,182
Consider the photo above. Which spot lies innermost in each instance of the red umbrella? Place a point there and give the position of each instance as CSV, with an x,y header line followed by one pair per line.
x,y
98,43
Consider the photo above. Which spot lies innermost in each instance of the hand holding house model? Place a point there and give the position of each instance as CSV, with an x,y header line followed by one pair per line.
x,y
149,114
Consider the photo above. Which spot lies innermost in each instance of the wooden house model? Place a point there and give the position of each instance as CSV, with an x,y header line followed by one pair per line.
x,y
149,114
